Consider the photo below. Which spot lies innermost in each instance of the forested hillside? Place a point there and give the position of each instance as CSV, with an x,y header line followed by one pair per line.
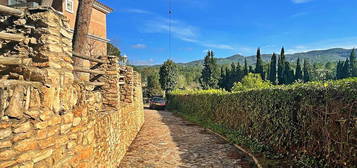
x,y
322,65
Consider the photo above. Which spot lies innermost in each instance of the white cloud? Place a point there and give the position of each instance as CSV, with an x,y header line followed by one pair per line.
x,y
137,11
139,46
182,31
144,62
301,1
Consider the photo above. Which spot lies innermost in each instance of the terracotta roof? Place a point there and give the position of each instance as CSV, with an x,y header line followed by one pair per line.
x,y
102,7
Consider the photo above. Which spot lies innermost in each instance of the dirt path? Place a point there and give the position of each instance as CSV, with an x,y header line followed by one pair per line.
x,y
167,141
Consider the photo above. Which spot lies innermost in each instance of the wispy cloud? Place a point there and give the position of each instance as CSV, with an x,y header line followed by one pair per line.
x,y
300,1
139,46
137,11
182,31
144,62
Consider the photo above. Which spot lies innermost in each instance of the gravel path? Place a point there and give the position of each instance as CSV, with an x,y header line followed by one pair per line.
x,y
167,141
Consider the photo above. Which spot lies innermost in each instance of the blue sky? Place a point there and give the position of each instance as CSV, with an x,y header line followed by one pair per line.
x,y
140,27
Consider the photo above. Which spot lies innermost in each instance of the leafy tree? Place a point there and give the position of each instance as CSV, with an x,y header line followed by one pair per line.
x,y
353,64
251,81
153,86
306,77
298,71
272,69
209,75
113,50
281,65
168,76
259,65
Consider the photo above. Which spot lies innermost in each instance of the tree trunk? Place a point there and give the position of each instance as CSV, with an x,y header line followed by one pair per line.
x,y
80,39
46,2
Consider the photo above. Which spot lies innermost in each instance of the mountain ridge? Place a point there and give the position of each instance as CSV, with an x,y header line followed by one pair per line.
x,y
320,56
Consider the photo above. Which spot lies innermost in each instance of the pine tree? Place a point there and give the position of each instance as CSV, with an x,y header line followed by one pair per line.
x,y
353,64
209,75
259,65
298,71
272,69
306,77
246,70
168,76
281,65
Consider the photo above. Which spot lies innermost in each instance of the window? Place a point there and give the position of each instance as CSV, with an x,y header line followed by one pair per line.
x,y
69,6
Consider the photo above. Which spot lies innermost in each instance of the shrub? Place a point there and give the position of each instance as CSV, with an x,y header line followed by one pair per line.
x,y
313,121
251,81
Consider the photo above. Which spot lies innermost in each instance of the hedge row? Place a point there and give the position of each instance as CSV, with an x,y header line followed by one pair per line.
x,y
314,120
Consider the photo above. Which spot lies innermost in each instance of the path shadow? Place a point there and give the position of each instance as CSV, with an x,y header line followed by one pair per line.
x,y
200,148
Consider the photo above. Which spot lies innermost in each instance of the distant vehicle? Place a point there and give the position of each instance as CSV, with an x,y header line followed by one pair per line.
x,y
157,103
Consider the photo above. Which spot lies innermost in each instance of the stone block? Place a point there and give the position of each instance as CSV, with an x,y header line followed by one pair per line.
x,y
27,156
26,145
22,136
65,128
42,155
7,163
45,143
7,154
4,133
68,118
5,144
24,127
76,121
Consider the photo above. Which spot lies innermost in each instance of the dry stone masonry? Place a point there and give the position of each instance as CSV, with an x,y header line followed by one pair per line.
x,y
47,118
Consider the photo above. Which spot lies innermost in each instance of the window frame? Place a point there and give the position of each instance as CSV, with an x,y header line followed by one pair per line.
x,y
66,6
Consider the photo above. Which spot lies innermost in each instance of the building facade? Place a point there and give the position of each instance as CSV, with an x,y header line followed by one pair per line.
x,y
97,44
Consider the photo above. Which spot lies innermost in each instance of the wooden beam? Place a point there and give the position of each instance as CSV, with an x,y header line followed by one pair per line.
x,y
96,83
15,61
12,37
10,11
4,83
78,69
89,58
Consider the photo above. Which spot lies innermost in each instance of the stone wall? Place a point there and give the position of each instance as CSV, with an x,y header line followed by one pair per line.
x,y
48,119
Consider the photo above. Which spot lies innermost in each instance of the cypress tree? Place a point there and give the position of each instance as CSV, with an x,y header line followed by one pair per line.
x,y
353,64
251,69
239,73
259,65
246,70
339,70
272,69
288,74
306,71
226,80
346,70
298,71
222,78
281,65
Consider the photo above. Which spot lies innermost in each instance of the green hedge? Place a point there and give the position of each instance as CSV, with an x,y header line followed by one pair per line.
x,y
302,121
